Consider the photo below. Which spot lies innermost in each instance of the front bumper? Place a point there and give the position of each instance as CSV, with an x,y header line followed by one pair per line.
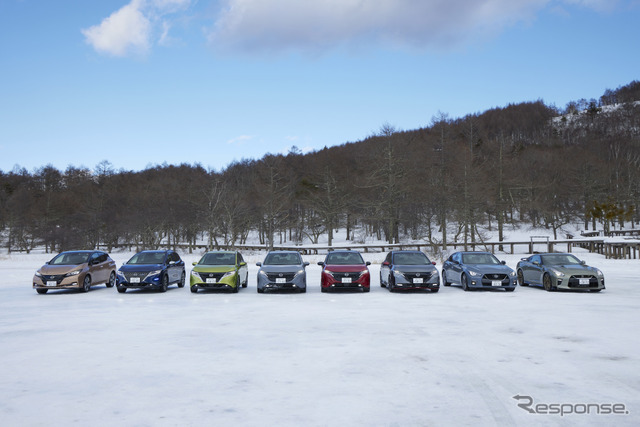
x,y
401,281
148,282
330,283
213,281
510,282
578,283
289,282
58,282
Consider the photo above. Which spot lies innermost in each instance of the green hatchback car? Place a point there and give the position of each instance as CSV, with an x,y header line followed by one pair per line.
x,y
220,270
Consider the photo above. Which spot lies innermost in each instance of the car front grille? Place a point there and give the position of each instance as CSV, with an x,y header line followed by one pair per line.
x,y
287,276
53,278
574,281
216,276
140,274
425,276
353,275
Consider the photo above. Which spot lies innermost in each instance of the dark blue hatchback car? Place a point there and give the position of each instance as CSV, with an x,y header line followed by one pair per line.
x,y
151,270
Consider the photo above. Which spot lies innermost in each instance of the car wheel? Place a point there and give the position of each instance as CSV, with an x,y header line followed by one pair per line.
x,y
121,289
509,289
592,290
464,281
112,280
86,283
434,290
391,285
236,289
260,291
193,289
382,285
42,291
182,281
521,279
366,289
546,282
323,290
303,290
246,281
444,279
165,283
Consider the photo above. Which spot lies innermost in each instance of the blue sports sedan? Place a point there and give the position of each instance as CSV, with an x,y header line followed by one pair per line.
x,y
478,270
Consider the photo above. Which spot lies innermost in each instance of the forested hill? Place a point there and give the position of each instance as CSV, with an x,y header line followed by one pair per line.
x,y
527,162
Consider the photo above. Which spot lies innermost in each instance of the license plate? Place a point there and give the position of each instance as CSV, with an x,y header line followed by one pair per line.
x,y
52,283
346,280
135,280
418,280
584,281
211,280
281,280
496,283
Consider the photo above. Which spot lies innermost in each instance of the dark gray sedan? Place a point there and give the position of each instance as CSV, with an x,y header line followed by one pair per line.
x,y
478,270
282,270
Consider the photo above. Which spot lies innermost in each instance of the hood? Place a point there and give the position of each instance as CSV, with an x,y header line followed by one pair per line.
x,y
427,268
53,270
491,269
281,268
213,268
140,267
346,268
574,269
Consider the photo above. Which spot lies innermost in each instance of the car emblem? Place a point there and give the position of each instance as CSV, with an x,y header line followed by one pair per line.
x,y
280,275
417,274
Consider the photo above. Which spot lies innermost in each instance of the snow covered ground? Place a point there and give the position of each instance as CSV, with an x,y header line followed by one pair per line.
x,y
451,358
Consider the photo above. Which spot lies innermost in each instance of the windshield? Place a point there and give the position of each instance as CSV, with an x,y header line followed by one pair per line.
x,y
483,259
411,258
283,259
344,258
70,258
560,259
147,258
218,258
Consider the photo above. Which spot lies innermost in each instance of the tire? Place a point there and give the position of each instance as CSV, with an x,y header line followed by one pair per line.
x,y
246,281
121,289
464,281
546,283
193,289
237,288
382,285
260,291
390,285
303,290
42,291
86,283
521,281
590,290
509,289
182,280
366,289
165,283
433,291
323,290
444,279
112,280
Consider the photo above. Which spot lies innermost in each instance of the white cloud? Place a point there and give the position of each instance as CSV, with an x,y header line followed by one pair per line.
x,y
240,140
131,29
124,31
294,24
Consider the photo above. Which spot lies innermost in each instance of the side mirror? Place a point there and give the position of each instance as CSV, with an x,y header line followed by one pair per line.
x,y
321,263
259,264
583,263
433,262
503,262
194,262
172,263
306,263
523,259
386,264
368,263
242,264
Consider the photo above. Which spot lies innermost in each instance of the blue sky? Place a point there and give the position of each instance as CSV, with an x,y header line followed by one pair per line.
x,y
148,82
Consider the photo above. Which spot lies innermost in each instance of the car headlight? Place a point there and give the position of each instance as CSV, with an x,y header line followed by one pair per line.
x,y
513,274
38,274
264,273
599,273
299,272
120,273
363,272
73,273
558,273
229,273
154,273
196,275
473,273
330,273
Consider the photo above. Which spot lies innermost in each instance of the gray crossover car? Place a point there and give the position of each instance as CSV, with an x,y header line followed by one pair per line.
x,y
282,270
408,270
478,270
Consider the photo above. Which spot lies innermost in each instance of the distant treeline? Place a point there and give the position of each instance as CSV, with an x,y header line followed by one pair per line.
x,y
525,163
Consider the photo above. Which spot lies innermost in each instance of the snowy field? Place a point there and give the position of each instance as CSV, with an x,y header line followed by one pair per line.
x,y
376,359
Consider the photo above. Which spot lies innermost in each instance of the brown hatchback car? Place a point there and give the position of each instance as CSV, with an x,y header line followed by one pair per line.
x,y
76,270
